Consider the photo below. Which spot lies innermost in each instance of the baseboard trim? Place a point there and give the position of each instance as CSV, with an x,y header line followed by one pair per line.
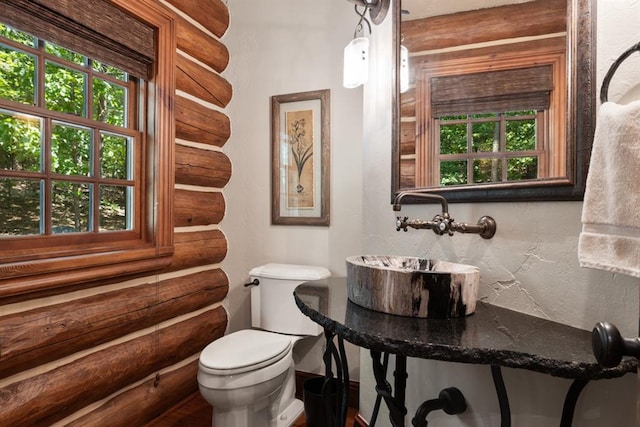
x,y
354,388
358,421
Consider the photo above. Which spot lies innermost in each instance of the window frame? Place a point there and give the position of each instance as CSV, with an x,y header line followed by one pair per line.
x,y
506,57
39,263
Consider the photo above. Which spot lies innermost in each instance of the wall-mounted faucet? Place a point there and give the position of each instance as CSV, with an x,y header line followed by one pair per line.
x,y
442,223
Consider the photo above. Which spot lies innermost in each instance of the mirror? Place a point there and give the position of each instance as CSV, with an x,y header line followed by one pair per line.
x,y
526,138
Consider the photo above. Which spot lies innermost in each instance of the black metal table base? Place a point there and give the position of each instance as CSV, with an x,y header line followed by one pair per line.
x,y
450,400
503,399
568,408
570,402
336,411
395,403
394,397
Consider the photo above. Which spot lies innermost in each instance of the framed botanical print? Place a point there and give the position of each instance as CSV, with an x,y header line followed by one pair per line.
x,y
300,193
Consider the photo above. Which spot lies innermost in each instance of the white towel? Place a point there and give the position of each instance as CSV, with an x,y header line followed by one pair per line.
x,y
610,238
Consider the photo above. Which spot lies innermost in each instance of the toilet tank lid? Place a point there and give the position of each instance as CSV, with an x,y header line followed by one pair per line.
x,y
290,272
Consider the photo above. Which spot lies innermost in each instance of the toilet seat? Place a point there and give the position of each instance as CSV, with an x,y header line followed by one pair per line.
x,y
244,351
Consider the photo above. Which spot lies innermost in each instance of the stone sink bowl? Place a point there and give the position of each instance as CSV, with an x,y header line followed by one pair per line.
x,y
414,287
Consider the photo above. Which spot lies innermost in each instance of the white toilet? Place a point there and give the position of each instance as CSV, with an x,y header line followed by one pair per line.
x,y
249,376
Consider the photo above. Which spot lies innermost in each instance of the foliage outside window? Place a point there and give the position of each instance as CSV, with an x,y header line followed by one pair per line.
x,y
86,147
489,147
66,165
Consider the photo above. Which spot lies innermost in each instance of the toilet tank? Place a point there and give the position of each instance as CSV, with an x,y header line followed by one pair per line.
x,y
273,307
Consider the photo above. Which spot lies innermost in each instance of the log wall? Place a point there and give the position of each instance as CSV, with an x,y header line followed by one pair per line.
x,y
120,353
432,39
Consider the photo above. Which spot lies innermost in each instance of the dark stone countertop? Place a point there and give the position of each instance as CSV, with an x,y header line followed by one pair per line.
x,y
491,336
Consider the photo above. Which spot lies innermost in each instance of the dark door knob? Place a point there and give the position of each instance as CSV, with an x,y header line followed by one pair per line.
x,y
609,346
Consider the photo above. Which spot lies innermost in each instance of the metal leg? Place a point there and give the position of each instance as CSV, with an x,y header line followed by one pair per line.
x,y
397,410
503,399
376,406
400,382
336,411
344,398
570,402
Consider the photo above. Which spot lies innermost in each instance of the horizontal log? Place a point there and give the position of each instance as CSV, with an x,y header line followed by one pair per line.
x,y
483,54
144,403
408,148
195,166
527,19
195,122
202,83
190,408
198,44
45,334
198,208
407,173
61,286
56,394
408,103
211,14
70,272
407,138
198,249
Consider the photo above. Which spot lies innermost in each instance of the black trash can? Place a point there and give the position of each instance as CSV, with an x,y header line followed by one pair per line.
x,y
315,407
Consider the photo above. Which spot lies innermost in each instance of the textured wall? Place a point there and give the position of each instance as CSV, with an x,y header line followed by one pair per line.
x,y
279,47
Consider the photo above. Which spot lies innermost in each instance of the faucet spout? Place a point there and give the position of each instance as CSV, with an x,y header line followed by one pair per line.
x,y
397,206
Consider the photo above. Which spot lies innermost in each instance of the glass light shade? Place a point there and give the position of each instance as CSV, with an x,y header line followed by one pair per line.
x,y
404,69
356,63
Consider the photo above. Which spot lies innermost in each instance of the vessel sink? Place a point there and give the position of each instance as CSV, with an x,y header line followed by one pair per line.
x,y
414,287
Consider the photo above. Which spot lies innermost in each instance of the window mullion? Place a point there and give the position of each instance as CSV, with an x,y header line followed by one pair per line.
x,y
95,176
542,144
94,173
40,75
433,153
469,149
503,146
89,89
47,200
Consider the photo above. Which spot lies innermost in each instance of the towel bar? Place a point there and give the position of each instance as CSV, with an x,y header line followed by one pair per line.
x,y
612,70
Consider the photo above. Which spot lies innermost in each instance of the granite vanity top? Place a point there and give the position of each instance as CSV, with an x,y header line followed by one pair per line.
x,y
491,336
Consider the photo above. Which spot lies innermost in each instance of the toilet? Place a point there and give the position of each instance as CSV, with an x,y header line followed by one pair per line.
x,y
248,376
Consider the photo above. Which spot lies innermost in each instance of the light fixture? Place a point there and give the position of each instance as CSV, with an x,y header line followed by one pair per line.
x,y
356,63
377,8
404,60
404,69
356,54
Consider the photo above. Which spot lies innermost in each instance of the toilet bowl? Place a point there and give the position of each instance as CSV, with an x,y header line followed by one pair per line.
x,y
249,376
244,376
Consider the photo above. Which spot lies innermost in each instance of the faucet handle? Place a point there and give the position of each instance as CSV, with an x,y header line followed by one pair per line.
x,y
442,225
401,224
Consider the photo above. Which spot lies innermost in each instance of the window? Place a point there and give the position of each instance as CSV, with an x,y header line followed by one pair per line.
x,y
86,136
67,153
490,147
482,121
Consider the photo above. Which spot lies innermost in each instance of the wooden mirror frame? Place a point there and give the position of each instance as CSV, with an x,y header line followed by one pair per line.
x,y
580,120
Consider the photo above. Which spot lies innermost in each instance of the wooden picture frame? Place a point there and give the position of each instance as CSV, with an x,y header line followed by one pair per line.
x,y
300,193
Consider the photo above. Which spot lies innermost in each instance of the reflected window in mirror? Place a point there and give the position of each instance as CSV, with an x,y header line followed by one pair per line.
x,y
491,118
